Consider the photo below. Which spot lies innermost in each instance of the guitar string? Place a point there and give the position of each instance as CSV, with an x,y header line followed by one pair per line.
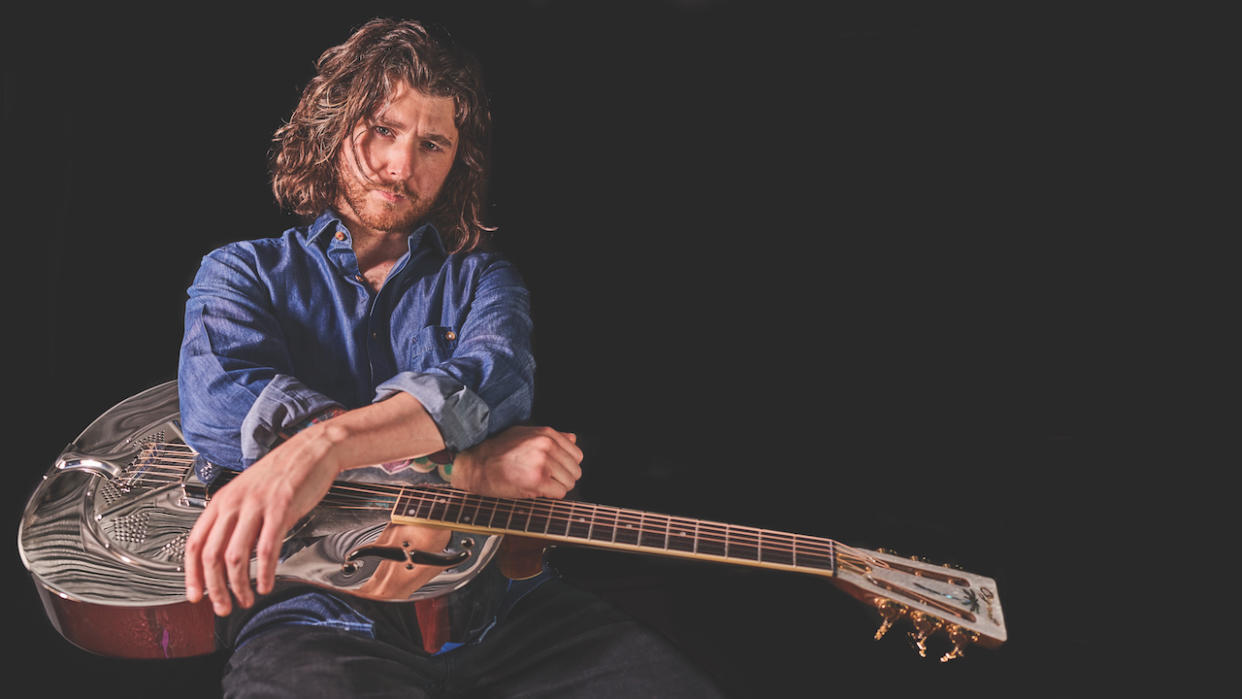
x,y
559,513
794,545
762,540
846,557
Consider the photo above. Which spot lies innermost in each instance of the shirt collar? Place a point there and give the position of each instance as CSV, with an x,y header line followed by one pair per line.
x,y
329,222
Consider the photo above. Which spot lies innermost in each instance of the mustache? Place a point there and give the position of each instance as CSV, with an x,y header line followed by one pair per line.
x,y
400,190
397,188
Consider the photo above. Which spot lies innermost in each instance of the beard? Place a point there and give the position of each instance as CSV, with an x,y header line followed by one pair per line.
x,y
377,214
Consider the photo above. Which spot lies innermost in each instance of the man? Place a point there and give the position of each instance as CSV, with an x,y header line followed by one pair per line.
x,y
381,333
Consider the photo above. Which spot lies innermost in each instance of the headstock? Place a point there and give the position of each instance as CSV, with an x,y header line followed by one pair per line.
x,y
933,599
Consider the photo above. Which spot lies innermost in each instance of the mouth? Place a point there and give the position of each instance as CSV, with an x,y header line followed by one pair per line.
x,y
392,197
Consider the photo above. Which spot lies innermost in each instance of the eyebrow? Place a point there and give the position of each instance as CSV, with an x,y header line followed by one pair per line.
x,y
437,137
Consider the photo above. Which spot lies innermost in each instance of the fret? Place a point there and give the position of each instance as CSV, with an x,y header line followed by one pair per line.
x,y
812,553
419,505
493,508
470,509
506,507
438,508
629,526
682,534
777,548
406,504
453,508
579,523
519,519
654,531
744,543
558,518
597,523
712,538
539,518
605,526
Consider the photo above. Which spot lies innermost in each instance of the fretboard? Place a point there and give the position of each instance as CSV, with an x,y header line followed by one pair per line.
x,y
602,526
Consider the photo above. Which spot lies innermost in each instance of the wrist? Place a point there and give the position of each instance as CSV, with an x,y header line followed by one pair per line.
x,y
317,446
317,439
459,473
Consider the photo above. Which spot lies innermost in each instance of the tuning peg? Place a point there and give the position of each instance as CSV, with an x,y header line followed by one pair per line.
x,y
891,611
924,625
960,638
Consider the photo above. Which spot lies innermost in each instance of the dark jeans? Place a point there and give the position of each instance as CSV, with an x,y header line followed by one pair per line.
x,y
558,641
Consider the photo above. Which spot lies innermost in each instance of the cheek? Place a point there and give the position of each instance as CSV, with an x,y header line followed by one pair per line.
x,y
432,178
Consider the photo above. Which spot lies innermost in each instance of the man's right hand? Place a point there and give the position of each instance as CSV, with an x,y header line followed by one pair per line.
x,y
249,516
520,462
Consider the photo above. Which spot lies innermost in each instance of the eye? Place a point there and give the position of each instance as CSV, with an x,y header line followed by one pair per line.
x,y
432,146
382,130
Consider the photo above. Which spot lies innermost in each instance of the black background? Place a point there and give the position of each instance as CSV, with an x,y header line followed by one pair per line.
x,y
896,277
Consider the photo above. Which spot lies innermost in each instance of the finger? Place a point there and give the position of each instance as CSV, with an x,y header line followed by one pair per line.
x,y
237,558
213,564
567,441
557,483
268,551
193,551
566,460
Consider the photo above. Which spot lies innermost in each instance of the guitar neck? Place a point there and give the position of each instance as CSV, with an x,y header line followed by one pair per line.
x,y
599,526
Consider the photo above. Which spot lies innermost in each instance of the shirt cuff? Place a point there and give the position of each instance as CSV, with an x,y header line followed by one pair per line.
x,y
459,413
282,405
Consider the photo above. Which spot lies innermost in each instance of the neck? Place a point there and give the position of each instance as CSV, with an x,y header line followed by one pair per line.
x,y
616,528
376,250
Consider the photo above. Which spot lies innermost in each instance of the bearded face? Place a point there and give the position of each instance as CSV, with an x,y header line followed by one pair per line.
x,y
393,165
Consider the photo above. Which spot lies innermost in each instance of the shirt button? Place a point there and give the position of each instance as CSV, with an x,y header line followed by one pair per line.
x,y
358,277
340,235
450,335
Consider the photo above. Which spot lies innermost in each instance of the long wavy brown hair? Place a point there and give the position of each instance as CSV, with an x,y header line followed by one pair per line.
x,y
354,79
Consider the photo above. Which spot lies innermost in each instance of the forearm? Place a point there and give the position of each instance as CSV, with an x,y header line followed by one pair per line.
x,y
395,428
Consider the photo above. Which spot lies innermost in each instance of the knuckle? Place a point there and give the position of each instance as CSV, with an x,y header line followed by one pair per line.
x,y
210,551
264,548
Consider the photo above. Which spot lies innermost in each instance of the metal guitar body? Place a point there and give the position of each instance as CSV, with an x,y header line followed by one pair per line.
x,y
104,533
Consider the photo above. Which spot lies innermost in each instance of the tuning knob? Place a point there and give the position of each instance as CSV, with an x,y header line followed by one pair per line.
x,y
924,625
960,638
891,611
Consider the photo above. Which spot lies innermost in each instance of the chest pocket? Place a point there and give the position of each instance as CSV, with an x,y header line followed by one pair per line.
x,y
432,345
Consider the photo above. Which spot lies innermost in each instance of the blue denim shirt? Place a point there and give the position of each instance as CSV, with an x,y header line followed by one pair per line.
x,y
279,329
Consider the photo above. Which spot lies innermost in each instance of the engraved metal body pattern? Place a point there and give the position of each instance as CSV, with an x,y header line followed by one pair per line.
x,y
108,523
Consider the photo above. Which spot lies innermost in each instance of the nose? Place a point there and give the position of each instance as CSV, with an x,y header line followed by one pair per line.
x,y
399,162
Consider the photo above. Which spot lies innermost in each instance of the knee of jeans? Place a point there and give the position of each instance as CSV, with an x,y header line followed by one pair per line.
x,y
307,609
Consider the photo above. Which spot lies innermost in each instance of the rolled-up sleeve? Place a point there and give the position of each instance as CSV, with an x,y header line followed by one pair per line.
x,y
235,382
486,384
